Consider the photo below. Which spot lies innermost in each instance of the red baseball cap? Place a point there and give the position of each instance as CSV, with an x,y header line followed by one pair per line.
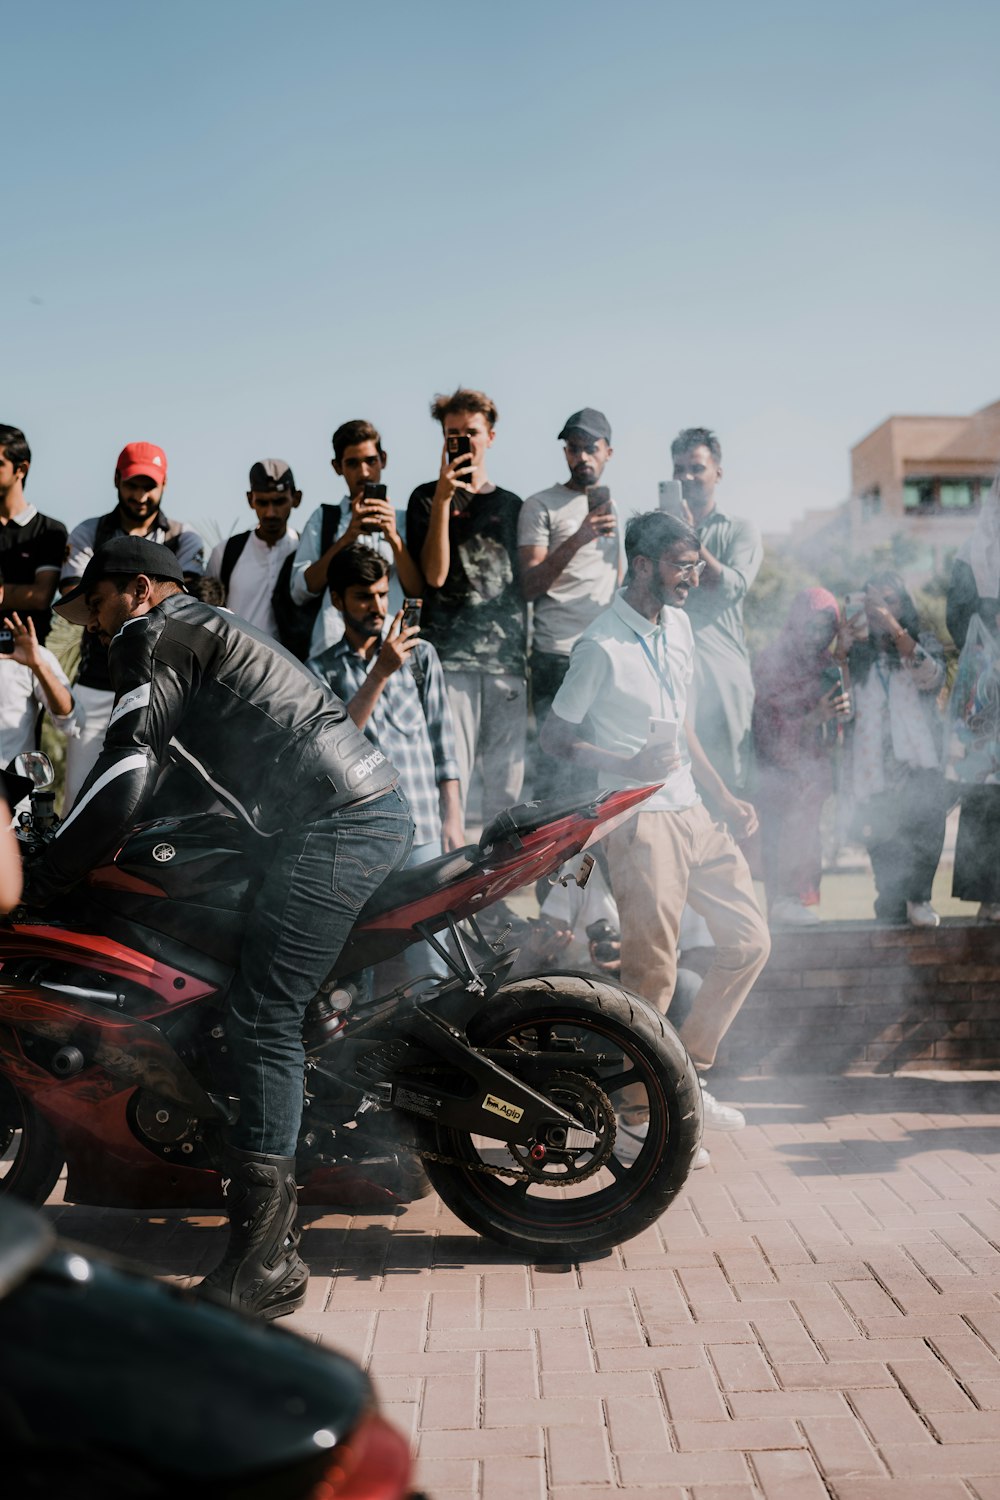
x,y
142,458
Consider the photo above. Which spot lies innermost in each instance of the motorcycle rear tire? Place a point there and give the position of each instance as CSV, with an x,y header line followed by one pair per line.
x,y
568,1228
33,1170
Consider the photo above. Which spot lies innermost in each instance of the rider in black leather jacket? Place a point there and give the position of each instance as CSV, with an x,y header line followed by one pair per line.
x,y
196,686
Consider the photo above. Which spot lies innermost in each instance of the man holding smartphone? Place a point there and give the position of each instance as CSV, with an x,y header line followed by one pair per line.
x,y
394,689
463,529
623,711
732,552
569,557
365,517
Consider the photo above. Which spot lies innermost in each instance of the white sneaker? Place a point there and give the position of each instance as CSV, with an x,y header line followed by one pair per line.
x,y
629,1140
701,1159
720,1116
988,913
922,914
789,913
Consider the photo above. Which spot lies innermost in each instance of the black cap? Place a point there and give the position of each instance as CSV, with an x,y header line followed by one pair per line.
x,y
272,475
125,555
594,423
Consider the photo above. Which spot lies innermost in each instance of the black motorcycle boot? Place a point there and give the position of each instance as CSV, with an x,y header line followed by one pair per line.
x,y
261,1272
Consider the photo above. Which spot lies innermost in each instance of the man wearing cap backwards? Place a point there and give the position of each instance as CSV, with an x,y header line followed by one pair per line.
x,y
140,479
569,558
248,564
197,686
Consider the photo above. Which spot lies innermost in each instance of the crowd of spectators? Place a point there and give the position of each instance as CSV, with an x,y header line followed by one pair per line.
x,y
539,647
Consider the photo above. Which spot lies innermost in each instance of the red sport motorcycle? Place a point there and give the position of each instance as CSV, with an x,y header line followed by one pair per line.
x,y
113,1056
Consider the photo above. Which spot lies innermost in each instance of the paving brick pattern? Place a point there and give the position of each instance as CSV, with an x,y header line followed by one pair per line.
x,y
817,1316
855,997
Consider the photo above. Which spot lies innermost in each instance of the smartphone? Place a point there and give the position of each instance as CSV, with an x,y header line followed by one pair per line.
x,y
375,492
672,497
411,613
598,497
832,678
663,732
459,447
855,615
6,642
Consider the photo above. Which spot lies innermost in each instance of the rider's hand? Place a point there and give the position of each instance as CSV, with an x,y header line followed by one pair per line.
x,y
396,648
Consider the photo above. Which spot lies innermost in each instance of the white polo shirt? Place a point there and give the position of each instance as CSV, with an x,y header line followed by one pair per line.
x,y
617,687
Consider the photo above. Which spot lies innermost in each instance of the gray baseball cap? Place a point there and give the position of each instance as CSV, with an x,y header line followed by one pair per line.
x,y
591,421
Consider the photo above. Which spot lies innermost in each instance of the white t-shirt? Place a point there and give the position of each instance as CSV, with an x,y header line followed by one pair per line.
x,y
614,685
254,575
585,586
20,699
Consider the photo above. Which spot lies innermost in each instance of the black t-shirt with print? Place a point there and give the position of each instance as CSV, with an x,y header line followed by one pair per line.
x,y
26,546
475,620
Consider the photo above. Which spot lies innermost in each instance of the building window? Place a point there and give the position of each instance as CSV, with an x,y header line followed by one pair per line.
x,y
871,503
932,495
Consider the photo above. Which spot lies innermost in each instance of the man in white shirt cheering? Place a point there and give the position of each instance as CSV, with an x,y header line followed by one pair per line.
x,y
629,677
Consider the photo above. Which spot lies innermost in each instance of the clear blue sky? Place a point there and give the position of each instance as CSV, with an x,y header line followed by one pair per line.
x,y
232,225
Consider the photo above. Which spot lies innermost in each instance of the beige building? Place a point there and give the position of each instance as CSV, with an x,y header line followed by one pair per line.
x,y
923,478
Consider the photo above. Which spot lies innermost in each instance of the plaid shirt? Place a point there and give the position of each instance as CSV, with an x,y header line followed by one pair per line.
x,y
411,726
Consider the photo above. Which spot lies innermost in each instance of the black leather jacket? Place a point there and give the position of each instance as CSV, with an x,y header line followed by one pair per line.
x,y
196,686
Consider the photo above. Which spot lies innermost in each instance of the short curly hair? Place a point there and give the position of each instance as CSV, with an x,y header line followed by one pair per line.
x,y
696,437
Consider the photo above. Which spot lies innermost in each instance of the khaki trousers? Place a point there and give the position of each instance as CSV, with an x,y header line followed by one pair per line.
x,y
659,861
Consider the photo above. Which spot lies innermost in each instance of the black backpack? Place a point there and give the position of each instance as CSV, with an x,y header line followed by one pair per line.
x,y
295,622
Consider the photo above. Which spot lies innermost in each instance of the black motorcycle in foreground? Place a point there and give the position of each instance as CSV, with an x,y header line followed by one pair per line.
x,y
117,1387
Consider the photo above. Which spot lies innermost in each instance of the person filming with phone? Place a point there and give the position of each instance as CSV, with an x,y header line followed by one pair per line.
x,y
392,683
463,529
800,699
900,794
365,517
622,709
569,553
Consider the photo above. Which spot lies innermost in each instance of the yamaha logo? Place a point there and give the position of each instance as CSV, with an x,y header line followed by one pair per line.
x,y
163,852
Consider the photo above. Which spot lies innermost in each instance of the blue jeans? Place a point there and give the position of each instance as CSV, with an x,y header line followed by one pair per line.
x,y
318,878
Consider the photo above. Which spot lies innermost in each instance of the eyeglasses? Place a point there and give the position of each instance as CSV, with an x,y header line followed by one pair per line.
x,y
688,571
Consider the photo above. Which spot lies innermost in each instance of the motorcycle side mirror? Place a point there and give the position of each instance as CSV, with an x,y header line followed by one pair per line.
x,y
35,767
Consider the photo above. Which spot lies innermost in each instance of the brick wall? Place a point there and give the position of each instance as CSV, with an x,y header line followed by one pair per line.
x,y
851,997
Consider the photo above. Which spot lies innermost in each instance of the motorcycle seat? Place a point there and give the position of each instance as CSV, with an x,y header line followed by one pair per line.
x,y
404,886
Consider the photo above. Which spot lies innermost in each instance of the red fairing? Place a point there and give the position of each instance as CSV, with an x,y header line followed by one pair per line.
x,y
543,850
29,940
120,880
374,1464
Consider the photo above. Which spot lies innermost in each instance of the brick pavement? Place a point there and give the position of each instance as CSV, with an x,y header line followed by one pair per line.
x,y
817,1316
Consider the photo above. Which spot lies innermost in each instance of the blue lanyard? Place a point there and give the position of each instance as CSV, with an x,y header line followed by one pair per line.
x,y
662,671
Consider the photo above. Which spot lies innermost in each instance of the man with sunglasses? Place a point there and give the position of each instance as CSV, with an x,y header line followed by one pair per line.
x,y
623,710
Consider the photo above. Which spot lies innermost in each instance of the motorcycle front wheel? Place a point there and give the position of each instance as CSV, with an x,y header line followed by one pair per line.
x,y
30,1157
606,1049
